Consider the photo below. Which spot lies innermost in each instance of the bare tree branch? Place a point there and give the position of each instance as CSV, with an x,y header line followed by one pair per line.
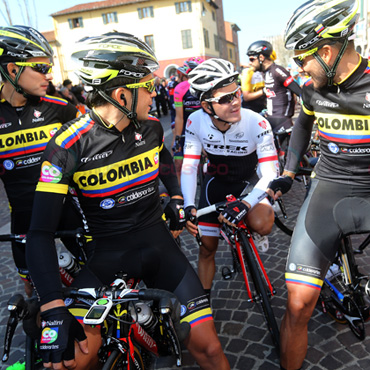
x,y
27,12
8,12
21,11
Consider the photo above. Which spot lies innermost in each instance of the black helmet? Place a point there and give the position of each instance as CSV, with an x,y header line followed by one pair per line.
x,y
22,42
321,19
260,47
102,58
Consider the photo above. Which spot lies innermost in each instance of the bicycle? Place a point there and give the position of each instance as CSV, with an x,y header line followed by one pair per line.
x,y
343,296
141,324
246,258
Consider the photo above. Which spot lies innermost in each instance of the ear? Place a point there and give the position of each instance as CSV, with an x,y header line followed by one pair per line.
x,y
205,106
119,95
12,69
327,53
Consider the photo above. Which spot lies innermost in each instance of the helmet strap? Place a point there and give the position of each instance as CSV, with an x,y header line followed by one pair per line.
x,y
14,83
131,115
330,72
215,116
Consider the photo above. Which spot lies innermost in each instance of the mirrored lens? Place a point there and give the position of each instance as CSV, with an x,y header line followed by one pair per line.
x,y
228,98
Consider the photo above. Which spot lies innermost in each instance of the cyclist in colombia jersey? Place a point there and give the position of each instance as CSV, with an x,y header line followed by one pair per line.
x,y
337,97
114,157
29,119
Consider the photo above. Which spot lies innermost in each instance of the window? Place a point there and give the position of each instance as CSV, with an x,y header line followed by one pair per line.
x,y
213,15
231,53
186,39
183,6
146,12
110,17
217,42
206,38
149,39
75,23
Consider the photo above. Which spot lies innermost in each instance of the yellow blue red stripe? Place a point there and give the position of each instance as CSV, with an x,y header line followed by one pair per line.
x,y
53,99
198,317
74,132
23,151
311,282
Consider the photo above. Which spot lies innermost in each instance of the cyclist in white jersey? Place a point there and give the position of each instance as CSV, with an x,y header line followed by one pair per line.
x,y
240,149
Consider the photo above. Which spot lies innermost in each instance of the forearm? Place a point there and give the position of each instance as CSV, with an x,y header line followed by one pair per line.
x,y
167,173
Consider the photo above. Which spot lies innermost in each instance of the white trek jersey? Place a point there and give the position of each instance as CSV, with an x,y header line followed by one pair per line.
x,y
234,155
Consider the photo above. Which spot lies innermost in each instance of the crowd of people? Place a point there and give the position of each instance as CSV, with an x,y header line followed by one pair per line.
x,y
90,152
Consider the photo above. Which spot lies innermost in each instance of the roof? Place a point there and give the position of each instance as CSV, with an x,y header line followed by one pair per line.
x,y
49,35
95,5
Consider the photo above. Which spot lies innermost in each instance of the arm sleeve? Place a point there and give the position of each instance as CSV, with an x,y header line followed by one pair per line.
x,y
288,81
189,169
268,166
167,173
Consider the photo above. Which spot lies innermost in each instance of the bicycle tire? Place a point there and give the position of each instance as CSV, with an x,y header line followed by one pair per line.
x,y
260,288
284,228
118,361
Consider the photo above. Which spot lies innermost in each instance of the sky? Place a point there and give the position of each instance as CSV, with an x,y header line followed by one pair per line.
x,y
256,20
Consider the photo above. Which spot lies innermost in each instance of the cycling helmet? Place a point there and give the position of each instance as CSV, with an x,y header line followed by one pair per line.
x,y
100,59
189,65
210,75
260,47
318,20
19,43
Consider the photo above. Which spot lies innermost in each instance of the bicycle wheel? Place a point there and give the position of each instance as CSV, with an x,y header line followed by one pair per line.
x,y
261,290
118,361
354,318
284,228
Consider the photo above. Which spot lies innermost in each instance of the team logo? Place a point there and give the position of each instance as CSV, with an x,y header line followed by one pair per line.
x,y
49,335
138,136
139,139
210,136
53,131
156,156
183,310
263,124
37,113
292,267
5,125
50,173
107,203
333,148
188,123
8,164
239,135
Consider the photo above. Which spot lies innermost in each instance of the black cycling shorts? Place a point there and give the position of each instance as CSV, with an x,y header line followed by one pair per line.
x,y
316,237
215,191
153,256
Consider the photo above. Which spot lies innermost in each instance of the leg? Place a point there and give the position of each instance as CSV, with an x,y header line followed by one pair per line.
x,y
261,218
206,262
89,361
293,331
204,345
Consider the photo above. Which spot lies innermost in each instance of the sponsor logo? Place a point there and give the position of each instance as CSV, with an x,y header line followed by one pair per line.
x,y
367,97
239,135
53,132
292,267
49,335
210,136
22,139
309,270
5,125
355,150
136,195
328,104
264,133
188,123
333,148
343,124
263,124
17,55
50,173
139,139
28,161
306,45
229,148
97,157
124,72
267,148
183,310
37,113
51,323
8,164
270,93
107,203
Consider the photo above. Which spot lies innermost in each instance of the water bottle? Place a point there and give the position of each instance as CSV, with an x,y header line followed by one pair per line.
x,y
69,263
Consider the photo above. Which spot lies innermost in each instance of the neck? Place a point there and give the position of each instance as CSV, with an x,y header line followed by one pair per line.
x,y
111,116
266,64
347,65
222,126
11,96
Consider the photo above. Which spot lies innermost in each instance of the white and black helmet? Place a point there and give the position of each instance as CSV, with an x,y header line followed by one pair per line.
x,y
211,75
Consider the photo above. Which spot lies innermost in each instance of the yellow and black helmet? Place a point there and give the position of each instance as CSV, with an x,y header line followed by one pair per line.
x,y
21,43
102,58
317,20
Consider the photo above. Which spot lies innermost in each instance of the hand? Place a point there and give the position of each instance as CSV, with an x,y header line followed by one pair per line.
x,y
234,213
279,186
174,212
191,223
60,329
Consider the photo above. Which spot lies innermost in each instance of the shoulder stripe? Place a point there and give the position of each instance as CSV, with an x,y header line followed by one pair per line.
x,y
55,100
74,132
48,187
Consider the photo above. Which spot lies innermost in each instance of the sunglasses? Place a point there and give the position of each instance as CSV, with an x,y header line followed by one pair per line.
x,y
149,85
252,59
299,59
227,98
43,68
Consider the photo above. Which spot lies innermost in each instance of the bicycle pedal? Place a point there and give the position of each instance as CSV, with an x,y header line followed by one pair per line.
x,y
226,273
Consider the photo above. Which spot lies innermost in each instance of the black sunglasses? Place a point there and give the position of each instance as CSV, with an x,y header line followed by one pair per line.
x,y
43,68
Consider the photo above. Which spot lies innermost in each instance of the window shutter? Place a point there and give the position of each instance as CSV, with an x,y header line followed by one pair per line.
x,y
189,6
177,6
70,23
140,13
115,17
104,18
81,22
151,11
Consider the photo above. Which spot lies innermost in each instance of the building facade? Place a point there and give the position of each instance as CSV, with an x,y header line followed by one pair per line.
x,y
176,30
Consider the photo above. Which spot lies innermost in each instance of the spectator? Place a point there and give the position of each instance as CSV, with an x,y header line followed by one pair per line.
x,y
160,99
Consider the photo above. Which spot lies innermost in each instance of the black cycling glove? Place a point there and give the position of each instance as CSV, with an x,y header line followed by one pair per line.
x,y
59,330
235,211
189,216
174,212
282,183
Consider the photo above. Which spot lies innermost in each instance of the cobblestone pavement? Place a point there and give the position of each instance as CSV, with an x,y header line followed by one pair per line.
x,y
240,325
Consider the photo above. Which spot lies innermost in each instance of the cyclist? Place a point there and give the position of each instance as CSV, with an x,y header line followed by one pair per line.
x,y
112,156
320,33
185,104
29,119
239,145
279,85
251,82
